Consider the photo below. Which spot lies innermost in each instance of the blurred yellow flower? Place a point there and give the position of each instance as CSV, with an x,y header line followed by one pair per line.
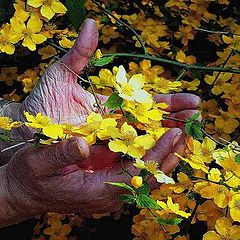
x,y
48,7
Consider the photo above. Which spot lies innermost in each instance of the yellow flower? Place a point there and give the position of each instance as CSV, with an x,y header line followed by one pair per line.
x,y
162,85
234,205
106,79
171,207
7,38
202,151
39,121
48,7
219,193
132,89
195,163
145,113
152,167
191,86
96,126
136,181
49,129
221,79
181,57
128,142
224,230
30,33
7,123
47,52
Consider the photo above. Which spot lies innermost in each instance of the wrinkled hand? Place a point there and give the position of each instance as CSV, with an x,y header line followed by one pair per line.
x,y
48,178
59,96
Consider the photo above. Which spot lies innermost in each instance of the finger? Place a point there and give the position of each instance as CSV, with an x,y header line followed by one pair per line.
x,y
49,160
178,101
164,145
85,45
183,115
172,161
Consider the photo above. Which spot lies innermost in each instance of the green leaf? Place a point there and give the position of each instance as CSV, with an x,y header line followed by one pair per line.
x,y
122,185
144,201
193,127
103,61
194,117
170,221
144,189
76,12
194,130
130,199
114,102
237,158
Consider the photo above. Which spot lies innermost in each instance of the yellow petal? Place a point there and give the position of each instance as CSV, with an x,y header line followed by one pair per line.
x,y
223,226
47,12
34,24
118,146
137,81
53,131
58,7
38,38
142,96
234,232
35,3
211,235
155,115
66,43
28,42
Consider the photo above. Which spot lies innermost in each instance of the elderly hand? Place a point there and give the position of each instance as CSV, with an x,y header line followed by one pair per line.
x,y
48,178
59,96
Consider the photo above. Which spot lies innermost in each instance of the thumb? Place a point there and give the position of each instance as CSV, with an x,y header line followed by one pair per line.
x,y
49,159
77,57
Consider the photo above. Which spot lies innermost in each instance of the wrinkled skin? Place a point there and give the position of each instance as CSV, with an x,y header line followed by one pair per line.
x,y
51,178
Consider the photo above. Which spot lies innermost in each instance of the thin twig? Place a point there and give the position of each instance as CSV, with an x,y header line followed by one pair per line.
x,y
191,217
174,63
124,24
224,64
216,32
17,145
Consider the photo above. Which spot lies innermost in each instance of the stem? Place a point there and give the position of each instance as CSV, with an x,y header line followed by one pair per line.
x,y
174,119
173,63
216,32
219,183
182,74
57,46
17,145
124,24
224,64
191,217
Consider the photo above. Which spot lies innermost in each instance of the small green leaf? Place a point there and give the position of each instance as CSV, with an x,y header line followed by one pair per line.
x,y
122,185
194,117
170,221
193,127
237,158
194,130
114,102
144,189
76,12
130,199
103,61
144,201
236,51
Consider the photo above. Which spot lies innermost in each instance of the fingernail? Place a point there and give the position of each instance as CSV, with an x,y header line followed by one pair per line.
x,y
75,149
177,138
